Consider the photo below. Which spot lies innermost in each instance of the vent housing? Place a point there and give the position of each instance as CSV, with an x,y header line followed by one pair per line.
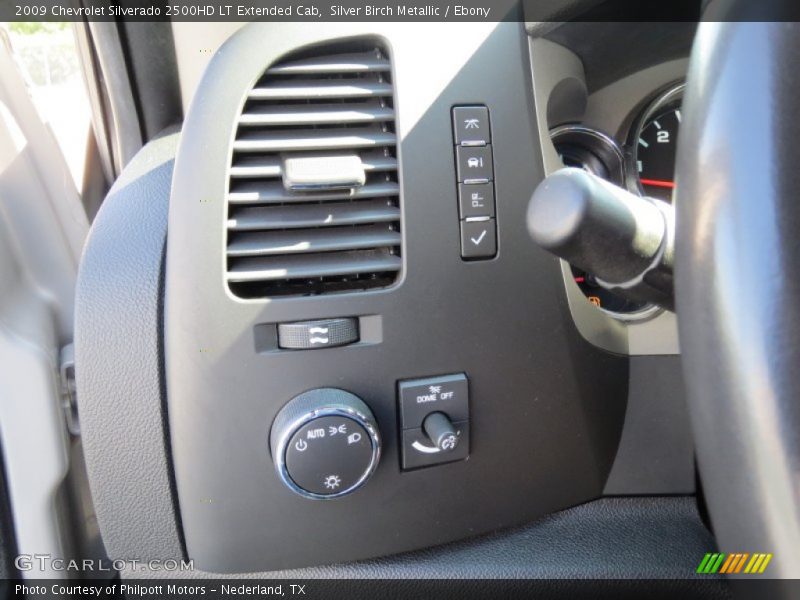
x,y
327,101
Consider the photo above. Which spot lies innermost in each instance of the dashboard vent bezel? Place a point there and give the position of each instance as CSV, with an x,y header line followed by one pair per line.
x,y
334,99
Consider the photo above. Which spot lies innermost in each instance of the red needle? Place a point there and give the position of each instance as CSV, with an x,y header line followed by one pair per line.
x,y
658,183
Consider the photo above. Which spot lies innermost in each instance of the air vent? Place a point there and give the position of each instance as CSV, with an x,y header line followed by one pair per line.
x,y
313,198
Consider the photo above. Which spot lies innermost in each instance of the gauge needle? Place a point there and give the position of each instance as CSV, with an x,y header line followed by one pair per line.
x,y
658,183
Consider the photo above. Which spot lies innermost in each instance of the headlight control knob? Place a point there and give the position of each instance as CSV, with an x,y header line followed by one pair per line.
x,y
325,443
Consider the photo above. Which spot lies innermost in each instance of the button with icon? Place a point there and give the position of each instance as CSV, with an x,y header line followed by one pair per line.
x,y
471,125
474,163
478,239
475,200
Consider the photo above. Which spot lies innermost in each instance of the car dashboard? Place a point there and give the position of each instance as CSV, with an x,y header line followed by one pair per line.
x,y
373,357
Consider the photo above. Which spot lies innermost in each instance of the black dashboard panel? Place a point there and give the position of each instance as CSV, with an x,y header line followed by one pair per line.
x,y
546,407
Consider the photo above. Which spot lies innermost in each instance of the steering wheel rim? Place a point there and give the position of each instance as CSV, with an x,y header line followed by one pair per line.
x,y
737,281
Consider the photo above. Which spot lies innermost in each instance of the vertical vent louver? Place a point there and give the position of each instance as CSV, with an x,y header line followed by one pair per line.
x,y
313,197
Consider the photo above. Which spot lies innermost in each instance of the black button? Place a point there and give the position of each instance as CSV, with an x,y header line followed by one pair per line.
x,y
474,163
478,239
471,125
419,451
328,455
323,333
420,397
476,200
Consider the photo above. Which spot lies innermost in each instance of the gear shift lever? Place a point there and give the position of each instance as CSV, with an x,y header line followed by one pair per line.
x,y
625,241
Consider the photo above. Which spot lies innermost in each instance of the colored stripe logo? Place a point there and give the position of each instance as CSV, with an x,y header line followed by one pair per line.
x,y
741,562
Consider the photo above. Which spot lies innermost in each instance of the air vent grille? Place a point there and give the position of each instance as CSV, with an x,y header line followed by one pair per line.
x,y
332,103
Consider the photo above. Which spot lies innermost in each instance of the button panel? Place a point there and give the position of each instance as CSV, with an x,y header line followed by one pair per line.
x,y
418,398
472,138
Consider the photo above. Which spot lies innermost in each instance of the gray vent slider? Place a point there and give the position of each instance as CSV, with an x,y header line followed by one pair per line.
x,y
320,172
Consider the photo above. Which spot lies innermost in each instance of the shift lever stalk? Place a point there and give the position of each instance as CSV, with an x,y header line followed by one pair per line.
x,y
625,241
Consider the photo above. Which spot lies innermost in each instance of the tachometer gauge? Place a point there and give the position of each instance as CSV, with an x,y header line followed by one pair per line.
x,y
653,143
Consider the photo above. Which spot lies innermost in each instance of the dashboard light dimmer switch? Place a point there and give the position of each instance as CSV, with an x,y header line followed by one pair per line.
x,y
434,418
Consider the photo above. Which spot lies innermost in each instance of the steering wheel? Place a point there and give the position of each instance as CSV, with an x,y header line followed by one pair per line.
x,y
737,280
736,267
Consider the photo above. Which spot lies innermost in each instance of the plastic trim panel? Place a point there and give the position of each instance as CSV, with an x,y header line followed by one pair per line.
x,y
119,361
541,438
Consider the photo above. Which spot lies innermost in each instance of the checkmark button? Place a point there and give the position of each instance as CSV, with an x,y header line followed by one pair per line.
x,y
478,239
